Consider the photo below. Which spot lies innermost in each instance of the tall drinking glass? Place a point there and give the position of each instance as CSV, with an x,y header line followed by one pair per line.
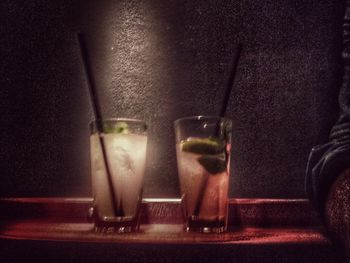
x,y
203,145
117,195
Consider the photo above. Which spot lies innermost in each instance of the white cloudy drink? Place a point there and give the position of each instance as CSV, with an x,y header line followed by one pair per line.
x,y
117,196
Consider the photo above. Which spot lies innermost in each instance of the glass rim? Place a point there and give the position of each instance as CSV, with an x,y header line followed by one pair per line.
x,y
202,117
118,119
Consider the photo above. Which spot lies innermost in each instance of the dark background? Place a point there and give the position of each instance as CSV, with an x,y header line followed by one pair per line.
x,y
158,61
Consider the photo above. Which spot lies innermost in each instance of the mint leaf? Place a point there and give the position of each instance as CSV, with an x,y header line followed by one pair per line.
x,y
119,127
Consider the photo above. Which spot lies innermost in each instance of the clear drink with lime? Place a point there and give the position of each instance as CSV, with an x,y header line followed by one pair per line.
x,y
203,160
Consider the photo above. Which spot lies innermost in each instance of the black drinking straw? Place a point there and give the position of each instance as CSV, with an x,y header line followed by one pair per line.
x,y
97,112
230,81
227,93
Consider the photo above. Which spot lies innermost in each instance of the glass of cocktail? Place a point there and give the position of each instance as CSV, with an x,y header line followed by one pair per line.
x,y
117,181
203,145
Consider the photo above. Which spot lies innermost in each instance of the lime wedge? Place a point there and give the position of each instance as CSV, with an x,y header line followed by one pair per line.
x,y
119,127
203,146
212,164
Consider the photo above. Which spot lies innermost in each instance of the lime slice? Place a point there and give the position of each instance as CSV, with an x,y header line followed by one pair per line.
x,y
212,164
204,146
119,127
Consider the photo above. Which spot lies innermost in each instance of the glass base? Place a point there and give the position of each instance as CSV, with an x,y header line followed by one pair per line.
x,y
125,224
204,226
115,229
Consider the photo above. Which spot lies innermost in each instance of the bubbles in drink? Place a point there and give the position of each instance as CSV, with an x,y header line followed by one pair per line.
x,y
192,174
126,154
203,173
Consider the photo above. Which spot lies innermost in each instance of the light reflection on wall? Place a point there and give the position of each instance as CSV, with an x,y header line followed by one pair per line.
x,y
134,61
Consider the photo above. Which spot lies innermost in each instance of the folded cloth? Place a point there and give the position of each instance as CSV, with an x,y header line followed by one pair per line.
x,y
326,162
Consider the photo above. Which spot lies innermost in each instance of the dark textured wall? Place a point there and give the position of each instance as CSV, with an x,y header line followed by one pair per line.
x,y
158,61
